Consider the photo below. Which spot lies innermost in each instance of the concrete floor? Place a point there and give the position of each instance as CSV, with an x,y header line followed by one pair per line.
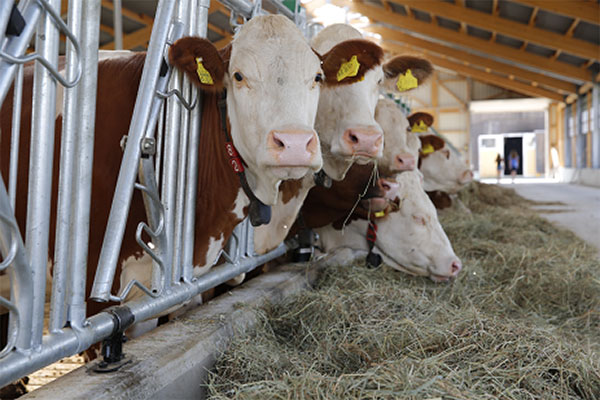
x,y
580,212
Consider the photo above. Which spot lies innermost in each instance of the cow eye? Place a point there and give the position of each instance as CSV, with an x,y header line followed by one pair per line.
x,y
409,129
319,78
238,77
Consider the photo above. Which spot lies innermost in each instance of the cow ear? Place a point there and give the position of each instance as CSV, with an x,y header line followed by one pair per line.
x,y
420,121
403,73
429,144
199,59
348,61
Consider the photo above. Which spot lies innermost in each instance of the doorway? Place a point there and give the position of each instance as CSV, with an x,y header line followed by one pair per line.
x,y
513,144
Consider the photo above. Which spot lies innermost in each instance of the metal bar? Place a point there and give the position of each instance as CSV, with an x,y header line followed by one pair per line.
x,y
71,116
118,24
5,11
86,98
122,199
40,168
15,137
198,27
242,7
19,274
16,45
101,325
177,140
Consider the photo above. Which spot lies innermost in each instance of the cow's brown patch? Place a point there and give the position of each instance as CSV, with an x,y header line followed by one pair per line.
x,y
439,199
416,118
290,189
367,53
419,67
183,54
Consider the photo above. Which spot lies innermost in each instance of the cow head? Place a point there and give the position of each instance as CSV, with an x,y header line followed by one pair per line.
x,y
345,117
401,149
272,78
411,239
443,170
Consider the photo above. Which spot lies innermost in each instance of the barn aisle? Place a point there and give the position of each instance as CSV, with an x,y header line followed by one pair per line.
x,y
580,211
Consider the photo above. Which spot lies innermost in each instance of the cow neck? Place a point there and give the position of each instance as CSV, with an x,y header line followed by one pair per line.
x,y
259,213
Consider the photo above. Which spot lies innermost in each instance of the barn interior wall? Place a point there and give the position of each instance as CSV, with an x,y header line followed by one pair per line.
x,y
501,123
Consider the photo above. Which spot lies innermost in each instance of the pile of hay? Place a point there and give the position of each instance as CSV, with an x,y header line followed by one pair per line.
x,y
521,322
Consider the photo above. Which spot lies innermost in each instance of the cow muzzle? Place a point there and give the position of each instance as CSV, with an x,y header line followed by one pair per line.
x,y
404,162
293,147
363,142
378,197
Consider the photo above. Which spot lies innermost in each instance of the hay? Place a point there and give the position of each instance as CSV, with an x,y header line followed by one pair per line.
x,y
521,322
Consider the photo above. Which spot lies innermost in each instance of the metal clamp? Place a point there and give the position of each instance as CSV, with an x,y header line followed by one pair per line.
x,y
112,347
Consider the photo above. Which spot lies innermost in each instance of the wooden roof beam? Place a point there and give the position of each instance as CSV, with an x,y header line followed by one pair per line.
x,y
480,75
587,11
507,69
569,32
137,17
141,37
507,27
448,35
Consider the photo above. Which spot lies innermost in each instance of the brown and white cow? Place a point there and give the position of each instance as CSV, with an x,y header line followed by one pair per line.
x,y
272,77
346,114
409,238
443,169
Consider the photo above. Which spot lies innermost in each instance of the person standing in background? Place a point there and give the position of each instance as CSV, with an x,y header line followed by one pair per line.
x,y
513,160
499,166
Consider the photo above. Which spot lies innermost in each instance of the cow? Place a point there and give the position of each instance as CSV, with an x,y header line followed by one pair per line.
x,y
272,78
443,169
409,238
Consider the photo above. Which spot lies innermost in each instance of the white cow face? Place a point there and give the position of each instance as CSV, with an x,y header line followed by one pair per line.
x,y
272,78
444,170
401,149
346,115
410,239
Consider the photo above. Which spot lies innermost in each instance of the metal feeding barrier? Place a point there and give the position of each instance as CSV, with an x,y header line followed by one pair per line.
x,y
156,155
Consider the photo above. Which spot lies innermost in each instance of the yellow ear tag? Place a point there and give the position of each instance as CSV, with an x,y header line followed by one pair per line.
x,y
203,74
427,149
348,69
420,127
407,81
380,214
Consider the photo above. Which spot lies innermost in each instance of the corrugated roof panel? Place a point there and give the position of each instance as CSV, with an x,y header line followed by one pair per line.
x,y
480,33
480,5
514,11
447,23
539,50
552,22
512,42
421,15
587,31
213,36
571,59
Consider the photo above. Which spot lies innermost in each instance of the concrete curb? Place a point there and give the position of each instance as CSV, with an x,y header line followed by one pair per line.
x,y
171,362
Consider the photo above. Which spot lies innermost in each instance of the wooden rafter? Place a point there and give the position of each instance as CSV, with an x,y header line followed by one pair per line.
x,y
569,32
138,17
141,37
448,35
474,59
587,11
533,16
478,74
507,27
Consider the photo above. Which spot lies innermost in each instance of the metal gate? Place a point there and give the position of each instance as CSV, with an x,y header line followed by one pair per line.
x,y
171,155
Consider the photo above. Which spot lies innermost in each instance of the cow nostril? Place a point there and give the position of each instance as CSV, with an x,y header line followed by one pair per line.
x,y
353,138
456,267
278,143
400,160
386,186
310,142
